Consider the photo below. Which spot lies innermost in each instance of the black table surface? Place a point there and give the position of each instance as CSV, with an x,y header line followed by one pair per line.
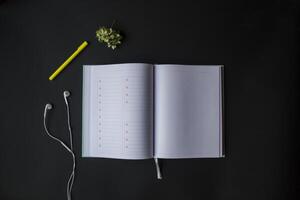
x,y
257,41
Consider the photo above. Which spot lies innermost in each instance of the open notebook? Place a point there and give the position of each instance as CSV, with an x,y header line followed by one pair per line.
x,y
141,111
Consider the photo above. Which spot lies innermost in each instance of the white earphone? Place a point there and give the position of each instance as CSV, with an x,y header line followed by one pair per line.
x,y
66,95
47,107
69,149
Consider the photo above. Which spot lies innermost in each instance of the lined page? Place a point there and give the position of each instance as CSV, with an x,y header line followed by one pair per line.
x,y
188,111
120,111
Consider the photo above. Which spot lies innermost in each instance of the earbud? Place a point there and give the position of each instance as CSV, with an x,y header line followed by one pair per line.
x,y
48,106
66,93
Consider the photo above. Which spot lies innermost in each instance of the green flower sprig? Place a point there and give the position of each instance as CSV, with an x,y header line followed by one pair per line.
x,y
111,37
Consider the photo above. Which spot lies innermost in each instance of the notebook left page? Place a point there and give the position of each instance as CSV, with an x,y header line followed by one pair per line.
x,y
118,111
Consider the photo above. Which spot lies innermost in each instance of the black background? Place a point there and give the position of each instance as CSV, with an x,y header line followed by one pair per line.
x,y
257,41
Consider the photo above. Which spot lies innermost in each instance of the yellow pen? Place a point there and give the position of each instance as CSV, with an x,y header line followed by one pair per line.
x,y
64,65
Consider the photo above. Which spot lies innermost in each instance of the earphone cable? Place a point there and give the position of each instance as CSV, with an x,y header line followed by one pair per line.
x,y
70,150
72,176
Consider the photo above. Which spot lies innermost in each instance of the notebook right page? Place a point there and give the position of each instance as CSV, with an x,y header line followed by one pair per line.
x,y
188,111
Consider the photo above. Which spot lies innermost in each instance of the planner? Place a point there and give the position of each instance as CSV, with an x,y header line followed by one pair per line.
x,y
142,111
